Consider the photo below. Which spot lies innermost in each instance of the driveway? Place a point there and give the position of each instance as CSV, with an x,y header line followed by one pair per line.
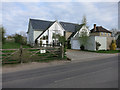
x,y
77,55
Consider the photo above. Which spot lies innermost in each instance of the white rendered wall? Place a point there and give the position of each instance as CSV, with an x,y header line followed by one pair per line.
x,y
30,35
102,41
28,39
91,43
55,26
36,34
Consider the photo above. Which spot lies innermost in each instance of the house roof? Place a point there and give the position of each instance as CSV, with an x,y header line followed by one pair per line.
x,y
77,28
99,29
70,27
40,25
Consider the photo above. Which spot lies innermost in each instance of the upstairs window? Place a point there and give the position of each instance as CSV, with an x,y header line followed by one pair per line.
x,y
108,34
105,34
101,33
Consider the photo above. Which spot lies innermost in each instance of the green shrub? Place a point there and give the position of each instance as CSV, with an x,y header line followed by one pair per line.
x,y
82,47
113,45
20,39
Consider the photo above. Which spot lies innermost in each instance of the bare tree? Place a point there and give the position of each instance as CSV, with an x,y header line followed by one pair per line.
x,y
84,21
114,31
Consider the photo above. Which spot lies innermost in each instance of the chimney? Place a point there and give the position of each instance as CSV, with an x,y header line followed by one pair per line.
x,y
94,27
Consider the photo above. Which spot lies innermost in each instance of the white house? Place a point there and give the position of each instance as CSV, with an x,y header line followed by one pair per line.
x,y
97,34
42,31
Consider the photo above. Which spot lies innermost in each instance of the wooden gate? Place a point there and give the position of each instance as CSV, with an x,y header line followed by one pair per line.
x,y
24,55
10,56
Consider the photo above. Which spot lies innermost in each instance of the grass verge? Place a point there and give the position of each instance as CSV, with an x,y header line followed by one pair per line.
x,y
13,45
106,51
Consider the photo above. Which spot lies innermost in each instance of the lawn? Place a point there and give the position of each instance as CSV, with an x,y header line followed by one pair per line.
x,y
106,51
12,45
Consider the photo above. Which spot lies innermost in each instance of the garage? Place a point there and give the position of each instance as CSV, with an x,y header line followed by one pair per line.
x,y
75,44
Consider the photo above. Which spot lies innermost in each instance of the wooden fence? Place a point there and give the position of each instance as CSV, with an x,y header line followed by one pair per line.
x,y
23,55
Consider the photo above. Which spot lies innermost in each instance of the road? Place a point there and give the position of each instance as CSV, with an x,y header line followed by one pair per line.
x,y
101,73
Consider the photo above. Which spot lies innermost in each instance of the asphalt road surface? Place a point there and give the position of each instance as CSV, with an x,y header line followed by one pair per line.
x,y
90,74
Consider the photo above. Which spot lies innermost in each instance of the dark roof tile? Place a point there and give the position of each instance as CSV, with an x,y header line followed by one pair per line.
x,y
100,29
70,27
40,24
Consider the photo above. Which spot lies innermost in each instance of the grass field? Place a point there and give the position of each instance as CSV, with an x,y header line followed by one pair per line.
x,y
108,51
13,45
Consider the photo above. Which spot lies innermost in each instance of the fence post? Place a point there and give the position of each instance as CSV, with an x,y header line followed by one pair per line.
x,y
62,51
21,54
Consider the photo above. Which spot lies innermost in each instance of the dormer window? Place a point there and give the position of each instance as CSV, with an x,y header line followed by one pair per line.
x,y
105,34
101,33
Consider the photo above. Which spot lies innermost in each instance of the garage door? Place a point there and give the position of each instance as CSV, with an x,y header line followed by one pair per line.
x,y
75,44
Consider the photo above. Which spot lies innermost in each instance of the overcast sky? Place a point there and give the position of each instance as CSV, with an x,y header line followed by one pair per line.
x,y
15,15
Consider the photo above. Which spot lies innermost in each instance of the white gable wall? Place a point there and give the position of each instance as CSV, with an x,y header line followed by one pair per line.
x,y
56,26
84,28
36,34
